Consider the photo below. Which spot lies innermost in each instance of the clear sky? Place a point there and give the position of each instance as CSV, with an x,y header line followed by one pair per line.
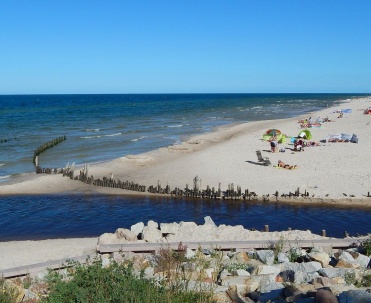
x,y
173,46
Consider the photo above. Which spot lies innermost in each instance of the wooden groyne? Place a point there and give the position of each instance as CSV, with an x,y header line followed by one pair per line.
x,y
232,193
46,146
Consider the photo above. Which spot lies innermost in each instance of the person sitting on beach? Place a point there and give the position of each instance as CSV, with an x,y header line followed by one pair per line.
x,y
274,144
284,165
298,145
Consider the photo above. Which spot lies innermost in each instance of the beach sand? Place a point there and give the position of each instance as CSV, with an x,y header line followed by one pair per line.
x,y
331,172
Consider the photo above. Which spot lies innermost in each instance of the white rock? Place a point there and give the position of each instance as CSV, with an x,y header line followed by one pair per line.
x,y
242,273
169,228
124,233
137,228
151,234
152,224
209,221
108,238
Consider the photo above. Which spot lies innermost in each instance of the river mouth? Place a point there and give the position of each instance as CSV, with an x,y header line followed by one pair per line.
x,y
38,217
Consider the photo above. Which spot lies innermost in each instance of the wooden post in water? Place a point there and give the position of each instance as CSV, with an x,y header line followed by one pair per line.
x,y
323,233
266,228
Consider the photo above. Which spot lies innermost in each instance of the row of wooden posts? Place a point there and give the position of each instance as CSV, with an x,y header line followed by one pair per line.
x,y
3,140
231,193
44,147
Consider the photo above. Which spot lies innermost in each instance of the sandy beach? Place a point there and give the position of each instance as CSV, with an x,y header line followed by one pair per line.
x,y
337,173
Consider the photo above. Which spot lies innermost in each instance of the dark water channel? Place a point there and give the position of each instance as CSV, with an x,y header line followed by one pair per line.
x,y
69,216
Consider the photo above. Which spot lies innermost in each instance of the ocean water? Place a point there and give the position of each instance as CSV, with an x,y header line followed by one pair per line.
x,y
103,127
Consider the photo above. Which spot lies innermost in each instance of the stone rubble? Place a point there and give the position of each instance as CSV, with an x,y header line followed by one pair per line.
x,y
264,275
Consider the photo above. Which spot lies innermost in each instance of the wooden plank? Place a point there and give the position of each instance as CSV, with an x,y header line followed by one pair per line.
x,y
38,267
224,245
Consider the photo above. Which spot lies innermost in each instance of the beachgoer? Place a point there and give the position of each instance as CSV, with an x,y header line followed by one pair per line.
x,y
284,165
298,145
274,144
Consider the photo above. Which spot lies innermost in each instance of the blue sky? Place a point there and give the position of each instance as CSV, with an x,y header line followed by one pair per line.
x,y
174,46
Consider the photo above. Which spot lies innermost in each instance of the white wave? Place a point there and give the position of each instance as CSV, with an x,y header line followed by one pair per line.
x,y
117,134
137,139
5,177
257,107
2,164
93,130
90,137
177,125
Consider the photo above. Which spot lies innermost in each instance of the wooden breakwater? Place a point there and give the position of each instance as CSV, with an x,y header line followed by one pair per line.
x,y
41,149
232,193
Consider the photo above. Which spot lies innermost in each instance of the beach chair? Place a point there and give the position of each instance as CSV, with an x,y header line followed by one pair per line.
x,y
264,160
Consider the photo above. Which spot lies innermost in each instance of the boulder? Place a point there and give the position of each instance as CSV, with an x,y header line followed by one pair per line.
x,y
355,296
241,273
320,256
236,296
335,272
305,277
152,224
343,263
268,284
240,257
266,270
282,258
124,233
169,228
287,276
151,234
325,296
309,267
322,282
266,256
108,238
209,221
137,228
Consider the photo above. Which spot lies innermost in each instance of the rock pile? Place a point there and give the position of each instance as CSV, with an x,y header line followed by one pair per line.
x,y
268,275
190,231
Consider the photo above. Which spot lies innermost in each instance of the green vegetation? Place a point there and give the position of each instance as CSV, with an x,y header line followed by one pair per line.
x,y
366,245
366,281
92,283
8,293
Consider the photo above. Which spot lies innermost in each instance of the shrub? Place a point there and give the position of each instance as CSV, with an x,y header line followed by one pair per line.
x,y
92,283
7,294
366,246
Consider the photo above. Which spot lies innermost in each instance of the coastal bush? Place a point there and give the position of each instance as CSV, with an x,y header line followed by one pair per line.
x,y
7,294
366,245
116,283
366,281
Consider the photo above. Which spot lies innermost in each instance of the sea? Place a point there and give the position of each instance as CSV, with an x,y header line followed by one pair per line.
x,y
99,128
